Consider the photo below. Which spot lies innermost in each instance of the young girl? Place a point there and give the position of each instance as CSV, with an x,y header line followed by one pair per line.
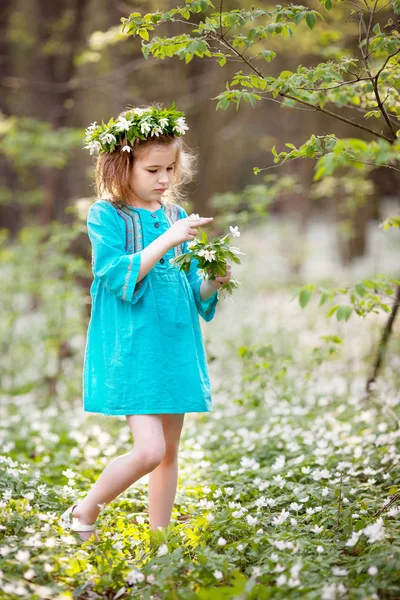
x,y
144,356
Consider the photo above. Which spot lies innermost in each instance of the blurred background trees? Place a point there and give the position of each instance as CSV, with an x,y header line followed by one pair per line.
x,y
66,64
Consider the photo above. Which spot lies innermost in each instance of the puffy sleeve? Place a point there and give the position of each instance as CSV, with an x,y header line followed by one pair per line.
x,y
117,270
205,308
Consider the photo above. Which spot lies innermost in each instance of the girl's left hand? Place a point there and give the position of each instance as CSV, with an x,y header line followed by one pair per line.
x,y
221,279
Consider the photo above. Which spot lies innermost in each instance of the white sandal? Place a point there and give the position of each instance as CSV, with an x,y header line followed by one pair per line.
x,y
68,521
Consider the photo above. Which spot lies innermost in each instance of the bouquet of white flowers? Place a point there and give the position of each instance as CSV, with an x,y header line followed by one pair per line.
x,y
212,256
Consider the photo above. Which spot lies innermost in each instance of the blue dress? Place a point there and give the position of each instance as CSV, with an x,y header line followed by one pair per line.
x,y
144,349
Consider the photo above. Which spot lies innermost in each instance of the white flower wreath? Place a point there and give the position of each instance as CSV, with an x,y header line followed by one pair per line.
x,y
138,123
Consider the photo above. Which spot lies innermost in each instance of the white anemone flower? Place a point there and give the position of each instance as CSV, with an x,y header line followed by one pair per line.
x,y
145,127
209,255
180,126
164,122
93,147
126,149
108,137
156,130
235,231
123,124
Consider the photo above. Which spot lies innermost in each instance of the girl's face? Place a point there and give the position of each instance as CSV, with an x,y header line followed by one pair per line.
x,y
153,173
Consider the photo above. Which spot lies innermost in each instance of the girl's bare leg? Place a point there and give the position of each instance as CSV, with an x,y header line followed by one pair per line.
x,y
164,478
148,451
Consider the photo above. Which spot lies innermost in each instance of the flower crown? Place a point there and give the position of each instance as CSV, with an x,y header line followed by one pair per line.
x,y
140,123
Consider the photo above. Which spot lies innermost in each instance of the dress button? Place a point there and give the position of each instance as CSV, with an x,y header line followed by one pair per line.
x,y
162,261
153,215
157,225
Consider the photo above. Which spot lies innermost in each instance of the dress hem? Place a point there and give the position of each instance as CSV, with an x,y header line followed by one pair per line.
x,y
154,412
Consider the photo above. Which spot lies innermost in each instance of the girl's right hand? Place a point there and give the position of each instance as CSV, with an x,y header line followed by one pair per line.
x,y
184,230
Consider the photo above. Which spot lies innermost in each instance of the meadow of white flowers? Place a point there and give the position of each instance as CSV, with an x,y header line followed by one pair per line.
x,y
287,489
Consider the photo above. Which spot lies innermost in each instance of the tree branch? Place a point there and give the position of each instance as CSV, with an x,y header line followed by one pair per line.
x,y
367,67
304,102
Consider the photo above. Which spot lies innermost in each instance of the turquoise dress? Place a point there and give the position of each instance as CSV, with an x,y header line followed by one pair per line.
x,y
144,349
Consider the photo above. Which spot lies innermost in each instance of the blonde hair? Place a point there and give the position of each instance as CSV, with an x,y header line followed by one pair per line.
x,y
113,170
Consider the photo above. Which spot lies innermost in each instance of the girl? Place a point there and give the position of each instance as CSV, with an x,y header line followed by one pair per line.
x,y
144,355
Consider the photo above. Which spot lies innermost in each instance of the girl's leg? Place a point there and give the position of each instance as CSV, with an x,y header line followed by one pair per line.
x,y
164,478
148,451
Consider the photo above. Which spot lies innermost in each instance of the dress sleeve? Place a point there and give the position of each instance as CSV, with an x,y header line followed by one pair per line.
x,y
117,270
205,308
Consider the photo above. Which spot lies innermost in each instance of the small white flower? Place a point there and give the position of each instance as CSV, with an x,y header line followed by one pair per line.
x,y
339,572
164,122
69,473
180,126
372,570
317,528
191,244
123,124
145,127
352,541
234,231
91,127
29,574
28,495
281,580
163,549
306,470
107,137
93,147
209,255
156,130
320,549
329,592
240,547
251,520
218,574
126,148
375,532
118,546
22,556
134,576
221,541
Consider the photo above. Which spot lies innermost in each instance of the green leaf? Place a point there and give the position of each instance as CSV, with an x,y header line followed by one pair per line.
x,y
305,296
310,152
311,19
344,312
144,34
360,289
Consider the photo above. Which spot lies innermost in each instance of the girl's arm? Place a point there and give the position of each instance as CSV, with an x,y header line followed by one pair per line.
x,y
206,297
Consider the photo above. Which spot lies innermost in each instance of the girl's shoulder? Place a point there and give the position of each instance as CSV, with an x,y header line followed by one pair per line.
x,y
102,211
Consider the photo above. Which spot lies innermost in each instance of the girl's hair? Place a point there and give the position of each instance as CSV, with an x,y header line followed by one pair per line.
x,y
113,171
